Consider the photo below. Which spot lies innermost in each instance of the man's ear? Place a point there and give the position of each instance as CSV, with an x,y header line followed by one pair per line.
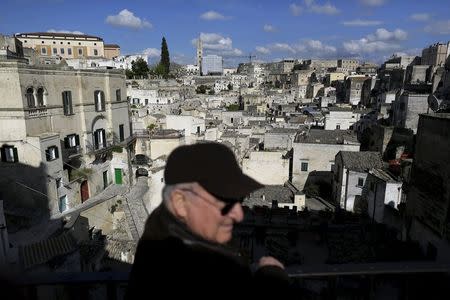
x,y
179,204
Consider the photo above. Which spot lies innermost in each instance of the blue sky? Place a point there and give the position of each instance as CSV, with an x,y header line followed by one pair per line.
x,y
371,30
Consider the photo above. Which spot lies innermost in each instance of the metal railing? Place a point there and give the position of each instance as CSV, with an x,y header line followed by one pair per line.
x,y
37,112
347,281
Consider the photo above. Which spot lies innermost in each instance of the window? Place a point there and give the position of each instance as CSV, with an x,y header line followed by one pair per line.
x,y
51,153
304,167
121,133
30,97
61,50
54,42
146,101
59,183
44,51
99,99
55,51
9,154
338,126
95,52
71,141
67,103
69,51
40,97
63,203
80,51
100,139
360,181
118,95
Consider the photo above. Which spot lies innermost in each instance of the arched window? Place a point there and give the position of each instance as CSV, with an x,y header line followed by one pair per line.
x,y
99,99
40,95
30,97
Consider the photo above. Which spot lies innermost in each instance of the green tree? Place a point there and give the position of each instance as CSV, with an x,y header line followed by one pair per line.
x,y
230,86
201,89
165,59
129,74
139,67
211,92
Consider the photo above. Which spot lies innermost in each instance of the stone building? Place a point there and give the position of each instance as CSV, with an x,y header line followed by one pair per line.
x,y
406,109
428,200
316,151
59,127
350,173
65,45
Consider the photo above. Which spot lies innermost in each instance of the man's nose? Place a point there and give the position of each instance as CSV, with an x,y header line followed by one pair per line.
x,y
237,213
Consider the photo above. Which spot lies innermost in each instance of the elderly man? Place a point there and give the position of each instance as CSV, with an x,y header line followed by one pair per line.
x,y
184,250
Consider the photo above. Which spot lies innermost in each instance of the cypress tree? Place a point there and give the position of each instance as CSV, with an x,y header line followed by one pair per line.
x,y
165,60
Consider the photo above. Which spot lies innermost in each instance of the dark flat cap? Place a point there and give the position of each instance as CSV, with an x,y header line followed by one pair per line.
x,y
214,167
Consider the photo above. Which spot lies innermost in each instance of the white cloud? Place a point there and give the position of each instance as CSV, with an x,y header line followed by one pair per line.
x,y
380,41
126,18
295,9
212,16
421,17
359,22
269,28
65,31
365,46
283,47
262,50
326,9
217,44
439,27
319,46
306,48
382,34
373,2
152,52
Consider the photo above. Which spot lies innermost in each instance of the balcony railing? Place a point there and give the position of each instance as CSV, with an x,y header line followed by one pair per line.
x,y
72,152
37,112
348,281
98,148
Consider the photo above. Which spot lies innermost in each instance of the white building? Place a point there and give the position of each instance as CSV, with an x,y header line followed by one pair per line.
x,y
55,122
124,61
316,151
381,190
191,125
340,118
267,167
212,64
350,173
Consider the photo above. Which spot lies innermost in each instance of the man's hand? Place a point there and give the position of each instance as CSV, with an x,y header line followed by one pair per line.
x,y
269,261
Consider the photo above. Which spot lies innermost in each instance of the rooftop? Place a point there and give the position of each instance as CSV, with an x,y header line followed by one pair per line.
x,y
361,161
320,136
383,175
70,36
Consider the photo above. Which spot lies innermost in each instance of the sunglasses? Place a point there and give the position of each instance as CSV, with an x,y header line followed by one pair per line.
x,y
230,203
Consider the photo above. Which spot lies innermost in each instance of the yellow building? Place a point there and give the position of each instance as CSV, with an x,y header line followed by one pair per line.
x,y
112,51
65,45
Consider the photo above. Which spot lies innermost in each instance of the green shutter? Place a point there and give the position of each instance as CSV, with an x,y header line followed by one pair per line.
x,y
16,156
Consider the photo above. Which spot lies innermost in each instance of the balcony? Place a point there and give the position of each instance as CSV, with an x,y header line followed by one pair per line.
x,y
36,112
72,152
99,148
